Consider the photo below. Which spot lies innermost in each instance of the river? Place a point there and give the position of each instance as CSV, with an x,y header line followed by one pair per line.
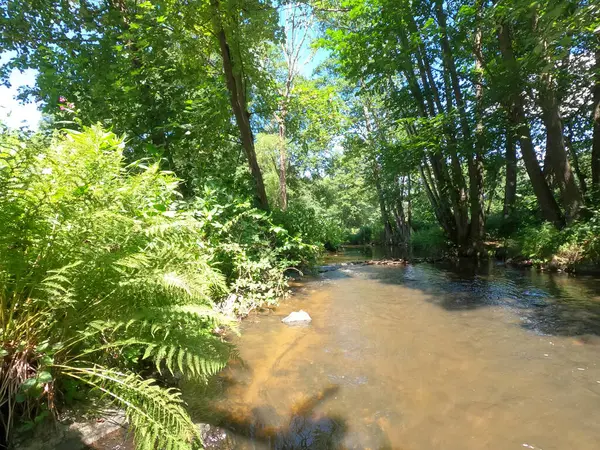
x,y
415,358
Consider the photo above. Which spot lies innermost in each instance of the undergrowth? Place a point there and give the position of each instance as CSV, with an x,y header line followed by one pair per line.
x,y
104,270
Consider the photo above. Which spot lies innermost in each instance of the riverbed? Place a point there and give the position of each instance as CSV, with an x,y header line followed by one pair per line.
x,y
415,358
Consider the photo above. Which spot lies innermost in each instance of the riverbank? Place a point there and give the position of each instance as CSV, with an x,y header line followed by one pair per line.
x,y
562,262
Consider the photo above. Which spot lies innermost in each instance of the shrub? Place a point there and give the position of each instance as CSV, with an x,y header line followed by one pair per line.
x,y
577,242
539,242
428,239
364,235
307,220
250,249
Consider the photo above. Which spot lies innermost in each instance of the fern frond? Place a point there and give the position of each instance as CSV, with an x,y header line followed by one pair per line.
x,y
156,415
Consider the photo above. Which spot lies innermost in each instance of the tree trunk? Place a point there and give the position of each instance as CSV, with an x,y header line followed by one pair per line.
x,y
450,66
438,209
449,187
282,164
237,94
409,203
387,226
452,90
445,197
510,188
561,172
385,218
596,133
476,163
516,109
575,159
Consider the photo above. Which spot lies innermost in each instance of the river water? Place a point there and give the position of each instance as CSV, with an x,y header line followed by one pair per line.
x,y
415,358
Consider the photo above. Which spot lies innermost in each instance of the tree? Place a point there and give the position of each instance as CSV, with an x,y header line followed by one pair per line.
x,y
515,105
236,84
153,71
298,22
596,119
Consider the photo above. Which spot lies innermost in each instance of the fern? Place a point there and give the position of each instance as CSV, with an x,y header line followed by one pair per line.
x,y
157,415
98,264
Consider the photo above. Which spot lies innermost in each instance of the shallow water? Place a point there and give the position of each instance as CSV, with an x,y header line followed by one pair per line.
x,y
419,357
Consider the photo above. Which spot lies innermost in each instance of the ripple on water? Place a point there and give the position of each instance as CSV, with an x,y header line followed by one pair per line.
x,y
422,357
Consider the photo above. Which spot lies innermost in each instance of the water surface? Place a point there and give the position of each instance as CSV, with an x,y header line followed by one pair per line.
x,y
419,357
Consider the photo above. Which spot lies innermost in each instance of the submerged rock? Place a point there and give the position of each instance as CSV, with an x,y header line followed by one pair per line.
x,y
215,438
330,268
297,316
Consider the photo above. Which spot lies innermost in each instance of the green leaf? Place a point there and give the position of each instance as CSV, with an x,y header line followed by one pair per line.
x,y
29,383
44,377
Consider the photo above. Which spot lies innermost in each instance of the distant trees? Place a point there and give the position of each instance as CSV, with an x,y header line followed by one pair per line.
x,y
459,79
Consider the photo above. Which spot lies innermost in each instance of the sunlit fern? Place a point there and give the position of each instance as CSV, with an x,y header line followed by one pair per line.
x,y
100,269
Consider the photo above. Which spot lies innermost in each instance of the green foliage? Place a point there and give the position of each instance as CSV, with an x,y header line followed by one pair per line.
x,y
104,269
364,235
539,242
150,70
306,218
252,249
428,239
577,243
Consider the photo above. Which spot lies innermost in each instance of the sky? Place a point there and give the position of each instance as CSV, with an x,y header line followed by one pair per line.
x,y
12,112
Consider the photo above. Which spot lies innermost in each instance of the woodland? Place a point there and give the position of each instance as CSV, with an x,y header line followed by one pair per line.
x,y
194,154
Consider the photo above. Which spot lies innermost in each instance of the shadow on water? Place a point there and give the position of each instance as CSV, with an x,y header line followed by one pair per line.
x,y
554,304
263,427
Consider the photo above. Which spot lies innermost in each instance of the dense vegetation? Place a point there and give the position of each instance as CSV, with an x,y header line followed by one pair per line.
x,y
106,272
488,109
192,153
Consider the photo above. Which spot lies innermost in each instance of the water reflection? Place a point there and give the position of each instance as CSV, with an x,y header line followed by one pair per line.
x,y
549,303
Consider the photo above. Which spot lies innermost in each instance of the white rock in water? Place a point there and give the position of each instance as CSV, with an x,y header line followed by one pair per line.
x,y
297,316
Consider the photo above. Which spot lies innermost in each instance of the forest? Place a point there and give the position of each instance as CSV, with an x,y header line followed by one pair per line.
x,y
193,155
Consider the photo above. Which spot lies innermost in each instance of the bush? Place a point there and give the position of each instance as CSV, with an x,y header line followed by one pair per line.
x,y
539,242
499,227
305,219
428,239
364,235
250,249
577,242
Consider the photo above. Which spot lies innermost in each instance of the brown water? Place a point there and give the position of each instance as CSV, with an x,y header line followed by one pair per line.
x,y
419,357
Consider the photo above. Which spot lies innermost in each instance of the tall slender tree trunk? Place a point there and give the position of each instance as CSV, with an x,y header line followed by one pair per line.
x,y
596,117
510,187
450,190
282,164
237,95
464,228
516,109
476,163
385,217
575,158
409,202
402,229
438,209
